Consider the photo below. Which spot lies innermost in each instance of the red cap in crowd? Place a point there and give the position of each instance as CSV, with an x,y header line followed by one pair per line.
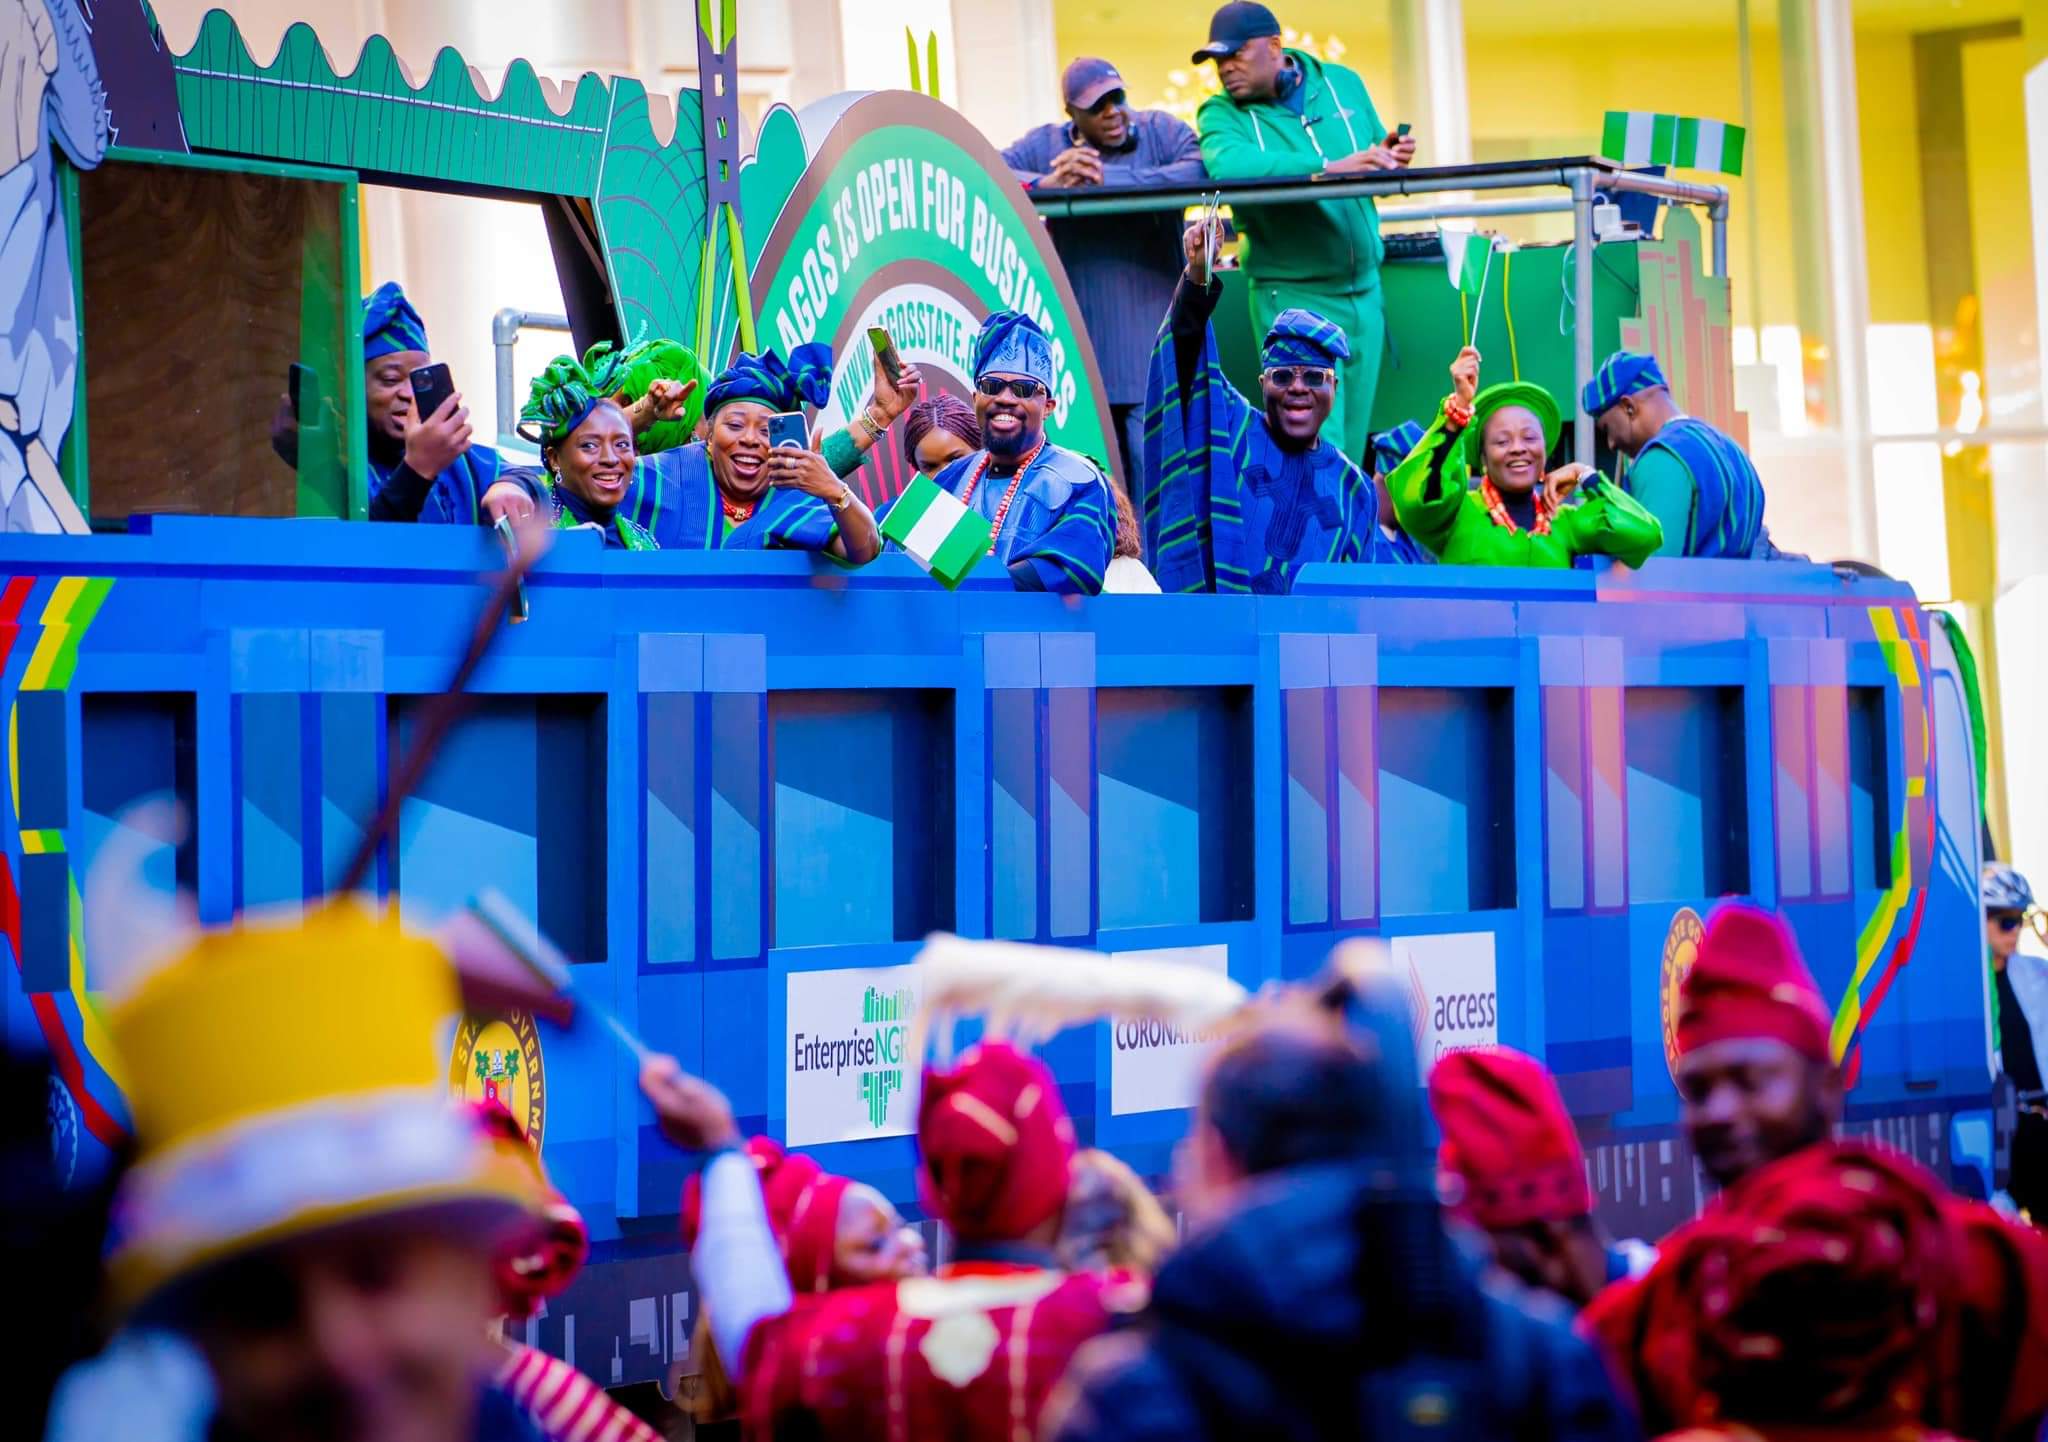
x,y
1508,1140
803,1211
1748,981
1813,1294
547,1258
995,1144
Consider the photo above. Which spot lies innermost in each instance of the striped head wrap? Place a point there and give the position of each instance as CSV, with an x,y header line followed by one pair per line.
x,y
1302,338
1624,373
390,324
766,379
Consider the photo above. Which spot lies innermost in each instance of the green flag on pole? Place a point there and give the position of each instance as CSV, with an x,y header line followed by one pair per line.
x,y
1637,138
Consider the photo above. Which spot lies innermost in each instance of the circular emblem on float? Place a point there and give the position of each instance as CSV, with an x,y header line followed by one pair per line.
x,y
1681,949
497,1058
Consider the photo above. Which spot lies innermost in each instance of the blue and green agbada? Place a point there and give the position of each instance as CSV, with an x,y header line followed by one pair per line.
x,y
391,325
1059,529
1695,479
1224,506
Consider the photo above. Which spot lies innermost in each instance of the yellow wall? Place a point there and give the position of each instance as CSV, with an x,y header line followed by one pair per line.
x,y
1546,94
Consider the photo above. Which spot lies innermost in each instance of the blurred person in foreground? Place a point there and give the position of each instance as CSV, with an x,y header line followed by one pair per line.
x,y
1318,1294
1112,1221
1241,493
565,1404
1812,1303
1510,1167
1051,516
326,1235
2020,999
1758,1083
1122,267
832,1231
1518,515
1699,484
1285,113
970,1353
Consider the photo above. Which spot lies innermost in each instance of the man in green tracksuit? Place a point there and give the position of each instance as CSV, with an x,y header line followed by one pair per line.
x,y
1285,113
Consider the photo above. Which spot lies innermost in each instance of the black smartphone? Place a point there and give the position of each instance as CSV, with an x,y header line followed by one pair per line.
x,y
786,428
431,385
303,385
885,353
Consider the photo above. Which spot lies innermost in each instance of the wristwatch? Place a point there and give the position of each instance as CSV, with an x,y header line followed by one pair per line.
x,y
843,499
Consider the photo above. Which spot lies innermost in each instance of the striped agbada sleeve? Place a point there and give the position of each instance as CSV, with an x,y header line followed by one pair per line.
x,y
566,1405
1069,559
1195,423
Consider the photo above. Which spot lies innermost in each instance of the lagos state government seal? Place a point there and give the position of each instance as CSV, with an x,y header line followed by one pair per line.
x,y
497,1058
1681,948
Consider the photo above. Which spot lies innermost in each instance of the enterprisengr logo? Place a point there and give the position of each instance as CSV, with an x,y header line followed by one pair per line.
x,y
873,1050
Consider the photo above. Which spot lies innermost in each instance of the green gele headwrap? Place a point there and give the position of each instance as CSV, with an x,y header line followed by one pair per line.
x,y
1526,394
562,395
639,366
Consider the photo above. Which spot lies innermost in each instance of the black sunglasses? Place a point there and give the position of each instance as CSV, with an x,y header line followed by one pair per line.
x,y
1021,387
1316,378
2007,920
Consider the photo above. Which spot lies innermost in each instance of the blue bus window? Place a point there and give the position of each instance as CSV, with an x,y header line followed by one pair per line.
x,y
1174,812
1870,787
1447,800
516,795
862,815
1687,839
133,747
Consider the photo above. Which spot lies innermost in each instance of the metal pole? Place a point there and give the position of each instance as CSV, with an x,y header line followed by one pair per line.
x,y
1582,309
1461,210
1717,215
505,328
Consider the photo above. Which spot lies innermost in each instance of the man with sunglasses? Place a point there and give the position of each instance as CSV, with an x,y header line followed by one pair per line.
x,y
1238,494
1122,267
1051,513
2021,982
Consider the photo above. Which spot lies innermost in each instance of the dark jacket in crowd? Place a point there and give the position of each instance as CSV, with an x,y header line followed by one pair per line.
x,y
1322,1311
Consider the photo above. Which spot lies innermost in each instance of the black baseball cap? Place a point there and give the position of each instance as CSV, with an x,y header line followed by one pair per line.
x,y
1235,23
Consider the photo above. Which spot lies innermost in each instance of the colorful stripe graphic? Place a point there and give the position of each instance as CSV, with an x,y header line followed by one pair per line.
x,y
1905,656
80,1050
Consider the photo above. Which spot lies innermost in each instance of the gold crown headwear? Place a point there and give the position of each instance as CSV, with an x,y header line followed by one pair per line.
x,y
284,1078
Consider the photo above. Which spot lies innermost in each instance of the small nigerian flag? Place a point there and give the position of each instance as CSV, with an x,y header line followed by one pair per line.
x,y
1636,138
1466,258
940,533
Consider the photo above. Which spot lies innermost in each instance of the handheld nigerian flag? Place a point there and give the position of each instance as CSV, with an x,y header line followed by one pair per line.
x,y
1636,138
1467,259
938,530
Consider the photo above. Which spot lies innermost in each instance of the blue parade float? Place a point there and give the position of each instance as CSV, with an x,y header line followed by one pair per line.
x,y
738,789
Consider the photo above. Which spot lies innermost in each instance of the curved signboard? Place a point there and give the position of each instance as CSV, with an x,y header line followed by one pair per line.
x,y
906,218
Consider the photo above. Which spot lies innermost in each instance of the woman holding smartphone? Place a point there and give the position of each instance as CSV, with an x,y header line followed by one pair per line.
x,y
737,488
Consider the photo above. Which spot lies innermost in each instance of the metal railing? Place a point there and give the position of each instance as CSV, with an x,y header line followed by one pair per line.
x,y
1581,177
505,328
